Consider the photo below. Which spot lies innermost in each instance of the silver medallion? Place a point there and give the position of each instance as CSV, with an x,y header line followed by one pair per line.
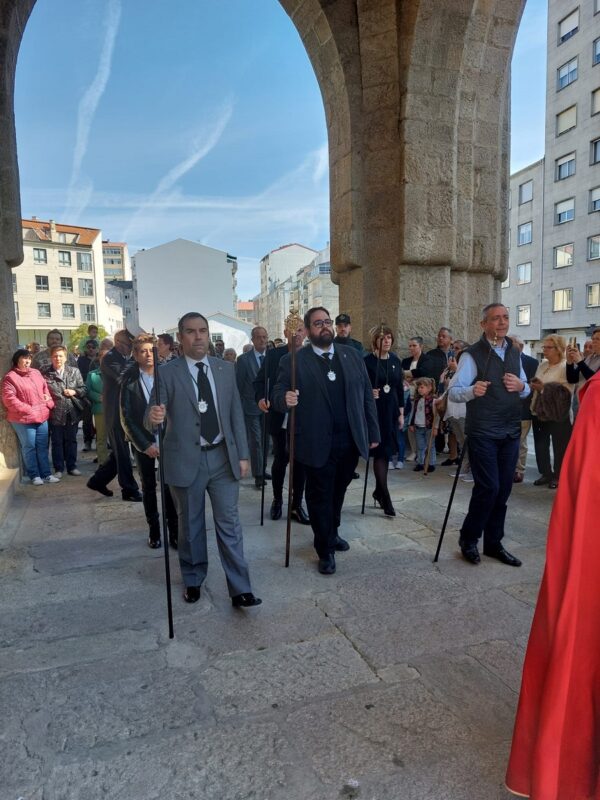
x,y
387,388
203,406
331,375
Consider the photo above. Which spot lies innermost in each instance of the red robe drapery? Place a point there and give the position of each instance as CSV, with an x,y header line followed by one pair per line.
x,y
556,742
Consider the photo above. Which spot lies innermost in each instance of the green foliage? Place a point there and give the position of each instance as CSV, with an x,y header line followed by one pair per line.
x,y
80,336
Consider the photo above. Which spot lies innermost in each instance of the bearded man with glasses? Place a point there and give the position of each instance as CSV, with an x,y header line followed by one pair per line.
x,y
336,422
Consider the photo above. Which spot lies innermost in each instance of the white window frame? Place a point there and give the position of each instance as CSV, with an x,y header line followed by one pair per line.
x,y
595,287
564,211
521,281
559,247
569,162
67,286
86,314
520,311
71,306
593,249
571,73
567,294
594,199
40,255
82,265
86,287
44,316
523,198
519,231
62,261
595,151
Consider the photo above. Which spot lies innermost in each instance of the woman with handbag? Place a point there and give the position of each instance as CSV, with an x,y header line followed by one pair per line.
x,y
69,394
551,413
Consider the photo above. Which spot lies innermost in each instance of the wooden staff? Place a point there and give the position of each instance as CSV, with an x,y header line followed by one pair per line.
x,y
265,439
379,351
292,322
161,475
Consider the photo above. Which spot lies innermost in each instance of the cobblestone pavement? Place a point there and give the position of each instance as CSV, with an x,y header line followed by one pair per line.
x,y
395,679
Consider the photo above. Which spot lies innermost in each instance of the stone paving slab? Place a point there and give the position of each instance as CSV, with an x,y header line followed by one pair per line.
x,y
393,679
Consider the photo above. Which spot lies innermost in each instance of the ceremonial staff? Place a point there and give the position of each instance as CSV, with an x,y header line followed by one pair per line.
x,y
265,420
292,322
379,351
459,465
161,475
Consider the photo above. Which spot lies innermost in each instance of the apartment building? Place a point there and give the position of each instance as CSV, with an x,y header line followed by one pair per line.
x,y
117,264
60,283
560,196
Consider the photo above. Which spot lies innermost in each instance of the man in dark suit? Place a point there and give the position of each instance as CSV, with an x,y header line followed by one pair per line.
x,y
246,369
277,423
118,463
204,450
530,366
336,421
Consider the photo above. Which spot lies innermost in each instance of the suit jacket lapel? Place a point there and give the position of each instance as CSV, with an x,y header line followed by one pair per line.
x,y
317,372
188,383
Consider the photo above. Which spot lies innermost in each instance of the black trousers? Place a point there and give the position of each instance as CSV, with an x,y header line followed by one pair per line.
x,y
87,424
325,491
148,478
559,434
281,457
117,463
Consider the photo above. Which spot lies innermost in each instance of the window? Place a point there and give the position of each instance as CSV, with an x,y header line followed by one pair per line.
x,y
84,262
43,310
595,199
564,211
66,284
563,255
568,26
566,74
16,310
88,313
524,273
523,315
39,255
525,192
525,233
566,120
62,238
68,311
596,52
64,258
595,152
596,6
565,167
506,282
595,102
594,247
592,291
86,287
14,283
562,300
41,283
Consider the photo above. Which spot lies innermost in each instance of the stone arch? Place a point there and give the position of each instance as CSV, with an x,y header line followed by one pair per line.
x,y
416,102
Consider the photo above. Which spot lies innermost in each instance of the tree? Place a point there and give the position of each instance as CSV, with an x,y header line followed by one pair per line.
x,y
80,335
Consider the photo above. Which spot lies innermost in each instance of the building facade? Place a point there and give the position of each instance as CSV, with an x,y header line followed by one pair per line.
x,y
60,283
117,264
120,293
181,276
246,311
566,218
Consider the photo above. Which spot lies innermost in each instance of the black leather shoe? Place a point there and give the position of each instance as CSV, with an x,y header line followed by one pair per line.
x,y
327,565
133,498
153,544
504,556
97,488
341,545
276,509
191,594
470,553
355,475
267,476
245,600
449,462
300,515
173,541
259,483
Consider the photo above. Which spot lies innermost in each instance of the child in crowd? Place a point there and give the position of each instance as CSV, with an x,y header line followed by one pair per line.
x,y
421,421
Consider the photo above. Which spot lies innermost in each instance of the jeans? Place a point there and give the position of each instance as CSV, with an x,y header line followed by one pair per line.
x,y
64,445
493,463
422,436
33,438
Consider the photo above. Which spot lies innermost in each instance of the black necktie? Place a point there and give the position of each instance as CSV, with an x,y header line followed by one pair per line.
x,y
326,357
210,421
261,358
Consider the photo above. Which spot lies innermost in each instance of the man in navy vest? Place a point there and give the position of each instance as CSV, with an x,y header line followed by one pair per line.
x,y
491,380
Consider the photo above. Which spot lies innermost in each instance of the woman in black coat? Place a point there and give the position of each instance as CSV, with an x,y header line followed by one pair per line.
x,y
385,373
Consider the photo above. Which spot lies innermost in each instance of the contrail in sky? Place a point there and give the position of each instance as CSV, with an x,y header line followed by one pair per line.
x,y
80,190
202,146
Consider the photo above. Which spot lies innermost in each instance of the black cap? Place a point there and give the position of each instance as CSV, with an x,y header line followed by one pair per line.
x,y
342,319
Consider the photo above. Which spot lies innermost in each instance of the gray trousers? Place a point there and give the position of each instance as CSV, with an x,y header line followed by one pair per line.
x,y
215,477
254,432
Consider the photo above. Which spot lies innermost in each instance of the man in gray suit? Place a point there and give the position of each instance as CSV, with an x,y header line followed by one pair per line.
x,y
246,368
204,450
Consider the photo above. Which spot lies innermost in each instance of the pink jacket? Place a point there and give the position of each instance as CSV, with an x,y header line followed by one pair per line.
x,y
23,393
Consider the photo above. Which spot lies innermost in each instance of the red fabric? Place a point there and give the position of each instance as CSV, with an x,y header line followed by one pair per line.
x,y
23,396
556,742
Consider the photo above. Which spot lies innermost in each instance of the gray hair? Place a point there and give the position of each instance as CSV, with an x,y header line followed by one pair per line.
x,y
485,309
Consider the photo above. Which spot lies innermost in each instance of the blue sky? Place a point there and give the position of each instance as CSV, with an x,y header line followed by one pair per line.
x,y
200,119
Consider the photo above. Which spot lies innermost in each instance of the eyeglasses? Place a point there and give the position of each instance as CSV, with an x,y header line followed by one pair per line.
x,y
322,323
